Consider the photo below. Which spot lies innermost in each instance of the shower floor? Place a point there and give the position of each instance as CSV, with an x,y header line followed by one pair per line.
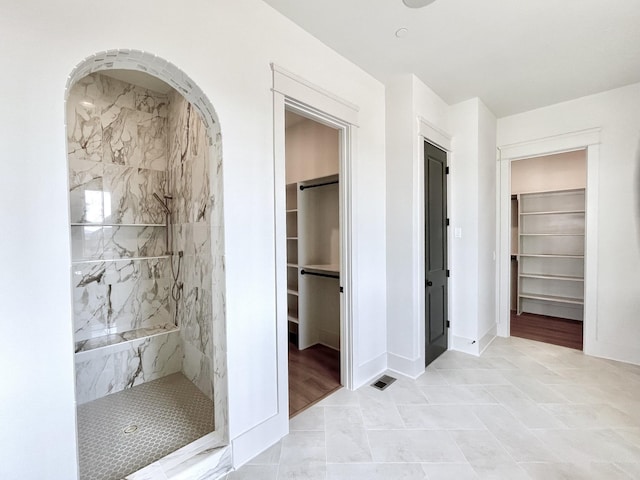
x,y
169,413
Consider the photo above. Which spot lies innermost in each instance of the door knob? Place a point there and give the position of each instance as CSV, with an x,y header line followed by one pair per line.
x,y
429,283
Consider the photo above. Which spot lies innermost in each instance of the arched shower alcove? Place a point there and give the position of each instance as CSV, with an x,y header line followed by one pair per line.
x,y
145,182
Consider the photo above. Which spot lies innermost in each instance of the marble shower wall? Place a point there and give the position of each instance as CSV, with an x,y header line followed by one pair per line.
x,y
189,157
103,371
117,152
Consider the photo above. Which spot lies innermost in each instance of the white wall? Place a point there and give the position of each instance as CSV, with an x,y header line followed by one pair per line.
x,y
487,223
473,212
472,208
407,99
617,113
400,212
464,218
226,47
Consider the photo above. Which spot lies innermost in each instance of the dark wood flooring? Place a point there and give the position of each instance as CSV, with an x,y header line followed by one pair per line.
x,y
557,331
314,373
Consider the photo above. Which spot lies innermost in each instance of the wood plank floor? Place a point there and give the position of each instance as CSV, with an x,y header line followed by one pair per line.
x,y
557,331
314,373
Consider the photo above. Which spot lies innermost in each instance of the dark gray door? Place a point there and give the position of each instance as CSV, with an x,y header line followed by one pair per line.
x,y
435,198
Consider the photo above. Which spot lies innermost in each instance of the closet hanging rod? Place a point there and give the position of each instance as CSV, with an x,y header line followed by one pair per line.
x,y
305,272
303,187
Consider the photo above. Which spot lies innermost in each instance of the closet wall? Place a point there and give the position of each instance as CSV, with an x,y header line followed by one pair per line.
x,y
548,226
313,232
563,171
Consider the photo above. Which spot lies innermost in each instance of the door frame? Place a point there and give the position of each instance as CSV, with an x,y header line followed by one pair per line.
x,y
295,94
429,133
588,140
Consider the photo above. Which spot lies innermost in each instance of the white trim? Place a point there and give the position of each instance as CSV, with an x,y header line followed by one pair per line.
x,y
580,140
435,135
296,94
410,367
280,254
487,339
565,142
590,322
295,87
465,345
347,257
368,371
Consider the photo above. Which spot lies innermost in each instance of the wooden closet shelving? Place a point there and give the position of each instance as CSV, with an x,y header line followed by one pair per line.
x,y
551,253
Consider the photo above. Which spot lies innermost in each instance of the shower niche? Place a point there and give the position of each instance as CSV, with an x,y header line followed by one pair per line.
x,y
147,258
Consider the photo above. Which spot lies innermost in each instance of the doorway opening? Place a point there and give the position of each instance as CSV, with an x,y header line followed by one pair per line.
x,y
436,263
313,256
145,204
547,262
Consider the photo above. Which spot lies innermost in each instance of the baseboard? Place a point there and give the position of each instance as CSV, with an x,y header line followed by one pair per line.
x,y
408,367
259,438
465,345
487,338
329,339
610,351
368,371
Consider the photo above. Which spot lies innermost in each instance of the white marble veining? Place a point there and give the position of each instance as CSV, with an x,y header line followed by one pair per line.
x,y
142,360
189,164
203,459
119,338
115,122
117,297
121,152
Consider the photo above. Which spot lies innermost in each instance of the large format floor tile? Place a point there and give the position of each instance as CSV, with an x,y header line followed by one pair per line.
x,y
523,410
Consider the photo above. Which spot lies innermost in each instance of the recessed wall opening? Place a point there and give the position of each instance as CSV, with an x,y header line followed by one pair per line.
x,y
147,273
548,213
312,171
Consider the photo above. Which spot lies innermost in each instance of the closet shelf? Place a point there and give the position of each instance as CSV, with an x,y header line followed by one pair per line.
x,y
568,278
552,234
553,298
293,319
292,238
331,268
292,265
550,241
552,212
292,210
292,292
548,255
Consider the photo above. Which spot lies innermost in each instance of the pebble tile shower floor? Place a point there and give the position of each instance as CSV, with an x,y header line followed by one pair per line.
x,y
169,413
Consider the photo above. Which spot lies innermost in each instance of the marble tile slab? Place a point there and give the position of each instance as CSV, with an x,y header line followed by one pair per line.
x,y
143,360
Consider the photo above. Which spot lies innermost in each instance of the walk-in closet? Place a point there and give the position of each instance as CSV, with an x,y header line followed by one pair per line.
x,y
548,247
313,259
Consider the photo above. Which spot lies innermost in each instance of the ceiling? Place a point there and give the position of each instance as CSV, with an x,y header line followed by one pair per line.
x,y
516,55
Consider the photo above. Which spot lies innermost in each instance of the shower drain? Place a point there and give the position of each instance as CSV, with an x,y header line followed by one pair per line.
x,y
129,429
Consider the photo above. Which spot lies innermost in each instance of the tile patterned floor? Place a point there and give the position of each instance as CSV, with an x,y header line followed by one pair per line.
x,y
523,410
169,413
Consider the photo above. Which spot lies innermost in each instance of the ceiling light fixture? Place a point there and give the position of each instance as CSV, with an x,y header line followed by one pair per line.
x,y
417,3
